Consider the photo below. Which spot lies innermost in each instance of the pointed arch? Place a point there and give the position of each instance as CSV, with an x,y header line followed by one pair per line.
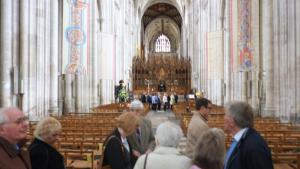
x,y
162,44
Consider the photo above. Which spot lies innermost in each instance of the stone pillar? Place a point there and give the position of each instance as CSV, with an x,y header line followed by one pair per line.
x,y
94,92
297,61
15,53
6,26
32,55
268,55
54,54
23,58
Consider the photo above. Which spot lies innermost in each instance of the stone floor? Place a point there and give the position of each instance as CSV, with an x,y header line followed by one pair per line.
x,y
158,117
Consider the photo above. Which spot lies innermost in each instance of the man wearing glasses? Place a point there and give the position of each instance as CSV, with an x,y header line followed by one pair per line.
x,y
13,128
198,125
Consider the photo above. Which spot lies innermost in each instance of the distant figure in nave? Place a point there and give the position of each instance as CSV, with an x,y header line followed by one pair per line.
x,y
143,98
158,101
248,149
198,125
13,131
165,101
149,100
210,150
42,153
176,98
165,155
172,101
154,100
142,140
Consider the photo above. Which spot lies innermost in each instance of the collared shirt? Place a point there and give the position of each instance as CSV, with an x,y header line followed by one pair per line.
x,y
239,134
125,144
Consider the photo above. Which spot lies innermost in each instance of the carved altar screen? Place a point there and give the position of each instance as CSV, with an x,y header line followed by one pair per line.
x,y
163,71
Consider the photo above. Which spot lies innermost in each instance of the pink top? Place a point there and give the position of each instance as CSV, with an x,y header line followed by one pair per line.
x,y
194,167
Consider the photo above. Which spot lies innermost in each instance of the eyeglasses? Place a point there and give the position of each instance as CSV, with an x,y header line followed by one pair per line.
x,y
21,120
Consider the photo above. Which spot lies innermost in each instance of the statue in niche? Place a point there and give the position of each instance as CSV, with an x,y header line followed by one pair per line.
x,y
162,86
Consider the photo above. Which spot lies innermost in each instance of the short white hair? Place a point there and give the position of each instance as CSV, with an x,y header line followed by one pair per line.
x,y
46,127
4,113
168,134
3,116
136,104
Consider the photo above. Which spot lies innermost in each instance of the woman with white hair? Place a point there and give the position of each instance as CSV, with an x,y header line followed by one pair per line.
x,y
165,155
42,153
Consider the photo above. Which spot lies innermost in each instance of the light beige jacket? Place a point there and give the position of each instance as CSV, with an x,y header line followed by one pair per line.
x,y
196,127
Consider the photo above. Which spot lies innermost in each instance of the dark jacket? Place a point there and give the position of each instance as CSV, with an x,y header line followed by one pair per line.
x,y
44,156
251,152
116,155
147,140
11,158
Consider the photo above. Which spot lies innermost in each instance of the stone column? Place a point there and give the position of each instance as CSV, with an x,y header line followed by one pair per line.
x,y
6,27
23,58
297,61
268,55
15,53
54,54
94,92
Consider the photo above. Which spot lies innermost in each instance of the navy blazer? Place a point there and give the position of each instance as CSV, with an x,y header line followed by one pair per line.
x,y
251,152
116,155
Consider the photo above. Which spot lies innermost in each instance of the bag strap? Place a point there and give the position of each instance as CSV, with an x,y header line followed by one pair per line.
x,y
104,146
145,162
103,150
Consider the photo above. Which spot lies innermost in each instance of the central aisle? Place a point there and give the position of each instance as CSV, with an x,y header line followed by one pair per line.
x,y
158,117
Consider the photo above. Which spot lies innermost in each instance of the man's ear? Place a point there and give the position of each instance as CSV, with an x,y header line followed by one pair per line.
x,y
231,121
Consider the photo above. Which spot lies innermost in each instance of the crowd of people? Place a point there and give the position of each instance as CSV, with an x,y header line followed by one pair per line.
x,y
158,101
133,145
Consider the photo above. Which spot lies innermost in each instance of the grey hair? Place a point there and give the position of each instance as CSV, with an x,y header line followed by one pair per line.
x,y
241,112
46,127
3,116
210,149
168,134
136,104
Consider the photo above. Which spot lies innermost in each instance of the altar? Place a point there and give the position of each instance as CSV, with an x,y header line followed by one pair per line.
x,y
161,73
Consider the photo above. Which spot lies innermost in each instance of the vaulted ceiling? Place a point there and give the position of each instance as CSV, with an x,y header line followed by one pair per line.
x,y
161,10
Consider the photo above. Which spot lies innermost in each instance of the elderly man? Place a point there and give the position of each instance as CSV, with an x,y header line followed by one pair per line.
x,y
13,127
248,149
165,155
143,139
198,125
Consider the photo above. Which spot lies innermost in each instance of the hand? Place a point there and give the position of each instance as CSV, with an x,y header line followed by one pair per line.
x,y
136,153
